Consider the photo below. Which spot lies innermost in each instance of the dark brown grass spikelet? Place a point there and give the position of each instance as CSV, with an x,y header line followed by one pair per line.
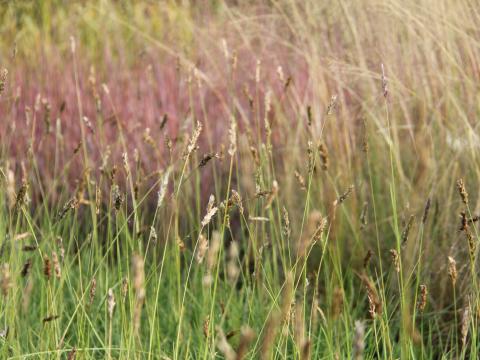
x,y
374,304
206,159
323,153
206,327
47,267
344,196
462,191
93,288
406,231
309,115
367,258
422,303
3,80
69,205
21,196
50,318
29,247
26,268
463,221
426,210
164,121
72,354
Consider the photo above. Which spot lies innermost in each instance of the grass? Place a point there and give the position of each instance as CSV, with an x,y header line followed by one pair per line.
x,y
284,179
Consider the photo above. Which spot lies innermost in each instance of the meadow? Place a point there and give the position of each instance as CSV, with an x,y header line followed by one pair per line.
x,y
244,179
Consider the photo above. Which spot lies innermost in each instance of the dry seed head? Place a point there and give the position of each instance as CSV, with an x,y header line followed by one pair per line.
x,y
273,194
69,205
223,345
426,210
300,180
323,153
344,196
452,270
211,211
47,267
465,324
367,258
206,159
311,158
56,265
462,191
93,289
202,248
232,136
192,145
98,199
61,248
72,354
117,197
332,104
110,302
237,200
286,223
422,303
309,115
163,187
126,163
395,259
153,237
471,242
26,268
406,231
374,303
3,80
21,196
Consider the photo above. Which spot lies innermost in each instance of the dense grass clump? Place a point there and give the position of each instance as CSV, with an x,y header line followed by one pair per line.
x,y
239,180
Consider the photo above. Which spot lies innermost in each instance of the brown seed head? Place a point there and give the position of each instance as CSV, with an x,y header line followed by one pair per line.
x,y
462,191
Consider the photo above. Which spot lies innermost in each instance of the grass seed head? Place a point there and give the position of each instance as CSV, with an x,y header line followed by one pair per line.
x,y
3,80
452,270
422,303
110,303
462,191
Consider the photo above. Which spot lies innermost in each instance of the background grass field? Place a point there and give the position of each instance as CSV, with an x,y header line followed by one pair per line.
x,y
239,179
